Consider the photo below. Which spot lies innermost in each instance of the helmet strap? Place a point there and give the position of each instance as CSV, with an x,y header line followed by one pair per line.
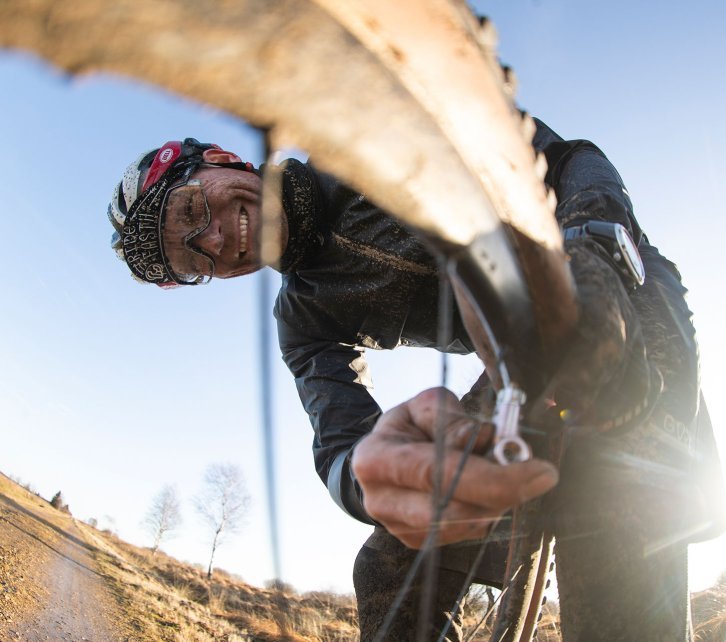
x,y
244,167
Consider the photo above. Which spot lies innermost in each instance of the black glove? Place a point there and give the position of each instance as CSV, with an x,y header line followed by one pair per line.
x,y
605,383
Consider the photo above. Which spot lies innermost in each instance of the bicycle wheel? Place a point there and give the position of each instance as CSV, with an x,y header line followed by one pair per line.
x,y
500,262
501,265
435,97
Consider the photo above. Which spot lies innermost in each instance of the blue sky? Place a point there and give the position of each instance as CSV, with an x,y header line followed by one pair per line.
x,y
111,389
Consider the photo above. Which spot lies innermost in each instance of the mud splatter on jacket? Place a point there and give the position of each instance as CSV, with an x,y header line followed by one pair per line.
x,y
353,278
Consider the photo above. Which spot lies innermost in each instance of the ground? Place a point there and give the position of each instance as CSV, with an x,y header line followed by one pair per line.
x,y
63,580
50,585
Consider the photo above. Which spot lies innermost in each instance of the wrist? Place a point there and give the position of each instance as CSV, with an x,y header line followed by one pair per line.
x,y
616,245
345,489
606,382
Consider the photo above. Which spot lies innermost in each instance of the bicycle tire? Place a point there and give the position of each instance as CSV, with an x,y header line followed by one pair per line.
x,y
528,568
402,179
515,338
531,544
529,565
515,341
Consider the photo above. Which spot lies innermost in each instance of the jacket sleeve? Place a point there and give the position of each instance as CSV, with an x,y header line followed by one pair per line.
x,y
332,380
687,434
585,182
587,186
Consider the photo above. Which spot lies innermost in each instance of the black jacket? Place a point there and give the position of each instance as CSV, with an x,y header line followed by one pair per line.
x,y
353,278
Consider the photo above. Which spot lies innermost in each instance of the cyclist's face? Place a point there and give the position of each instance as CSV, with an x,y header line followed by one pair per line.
x,y
231,239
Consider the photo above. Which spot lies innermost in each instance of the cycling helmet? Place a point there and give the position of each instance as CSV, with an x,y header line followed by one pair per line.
x,y
137,208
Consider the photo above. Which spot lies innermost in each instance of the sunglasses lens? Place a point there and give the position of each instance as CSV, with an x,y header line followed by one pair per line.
x,y
186,214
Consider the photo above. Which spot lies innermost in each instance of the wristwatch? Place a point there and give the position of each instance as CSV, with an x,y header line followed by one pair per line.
x,y
618,244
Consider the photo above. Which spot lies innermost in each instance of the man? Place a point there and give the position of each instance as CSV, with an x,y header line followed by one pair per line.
x,y
353,278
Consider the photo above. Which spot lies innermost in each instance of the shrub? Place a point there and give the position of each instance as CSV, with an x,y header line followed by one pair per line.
x,y
58,503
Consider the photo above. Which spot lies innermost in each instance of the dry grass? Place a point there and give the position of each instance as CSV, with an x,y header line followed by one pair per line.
x,y
478,628
709,613
169,601
174,602
25,495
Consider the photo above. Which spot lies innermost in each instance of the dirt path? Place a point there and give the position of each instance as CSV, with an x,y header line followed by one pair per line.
x,y
50,589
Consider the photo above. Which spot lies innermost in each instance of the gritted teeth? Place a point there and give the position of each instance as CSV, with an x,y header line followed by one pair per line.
x,y
243,221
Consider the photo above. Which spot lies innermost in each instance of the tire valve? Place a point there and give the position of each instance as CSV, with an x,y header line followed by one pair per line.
x,y
509,447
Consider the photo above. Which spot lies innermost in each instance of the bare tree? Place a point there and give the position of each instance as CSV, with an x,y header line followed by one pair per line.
x,y
109,524
163,517
222,504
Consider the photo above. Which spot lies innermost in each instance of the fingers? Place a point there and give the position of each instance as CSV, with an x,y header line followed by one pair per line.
x,y
482,482
436,407
397,490
408,515
397,463
419,418
489,484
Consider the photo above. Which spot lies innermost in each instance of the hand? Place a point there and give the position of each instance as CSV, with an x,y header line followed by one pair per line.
x,y
395,467
605,382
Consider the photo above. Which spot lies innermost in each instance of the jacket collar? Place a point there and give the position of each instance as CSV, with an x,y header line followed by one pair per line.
x,y
303,218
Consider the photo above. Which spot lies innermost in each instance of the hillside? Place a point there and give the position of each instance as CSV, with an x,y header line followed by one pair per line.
x,y
61,579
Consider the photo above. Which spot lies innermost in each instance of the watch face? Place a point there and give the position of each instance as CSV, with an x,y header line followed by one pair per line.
x,y
630,253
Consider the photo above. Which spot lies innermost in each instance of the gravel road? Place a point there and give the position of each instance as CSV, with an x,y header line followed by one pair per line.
x,y
50,589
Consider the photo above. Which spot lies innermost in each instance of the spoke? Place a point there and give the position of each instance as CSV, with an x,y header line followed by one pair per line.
x,y
267,418
431,535
444,332
485,617
465,587
272,188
